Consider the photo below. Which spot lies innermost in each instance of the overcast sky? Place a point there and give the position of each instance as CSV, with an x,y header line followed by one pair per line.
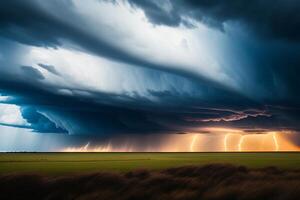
x,y
106,68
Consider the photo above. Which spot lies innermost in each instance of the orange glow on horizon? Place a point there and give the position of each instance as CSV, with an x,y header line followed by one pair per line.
x,y
219,139
270,141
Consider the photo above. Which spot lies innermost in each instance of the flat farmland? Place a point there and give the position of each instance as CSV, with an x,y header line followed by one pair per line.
x,y
65,163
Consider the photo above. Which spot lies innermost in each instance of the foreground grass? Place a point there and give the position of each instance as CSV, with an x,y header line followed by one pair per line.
x,y
208,182
64,163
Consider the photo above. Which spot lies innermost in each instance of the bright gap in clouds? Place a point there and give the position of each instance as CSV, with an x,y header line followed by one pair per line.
x,y
11,115
14,139
81,73
199,50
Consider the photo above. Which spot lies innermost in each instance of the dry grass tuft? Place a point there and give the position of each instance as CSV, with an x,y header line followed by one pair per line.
x,y
211,182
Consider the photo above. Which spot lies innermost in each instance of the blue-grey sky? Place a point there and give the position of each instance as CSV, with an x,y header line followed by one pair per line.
x,y
106,68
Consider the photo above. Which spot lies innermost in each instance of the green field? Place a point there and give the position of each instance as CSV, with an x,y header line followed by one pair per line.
x,y
62,163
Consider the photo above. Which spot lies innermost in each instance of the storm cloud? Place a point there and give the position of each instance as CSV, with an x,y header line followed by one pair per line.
x,y
271,19
154,67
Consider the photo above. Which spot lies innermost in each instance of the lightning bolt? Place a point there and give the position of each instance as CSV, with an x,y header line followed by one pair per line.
x,y
193,143
241,142
85,148
275,141
225,142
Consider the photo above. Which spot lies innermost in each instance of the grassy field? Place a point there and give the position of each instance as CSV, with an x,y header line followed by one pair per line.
x,y
64,163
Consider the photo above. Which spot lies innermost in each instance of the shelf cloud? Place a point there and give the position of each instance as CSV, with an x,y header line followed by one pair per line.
x,y
127,66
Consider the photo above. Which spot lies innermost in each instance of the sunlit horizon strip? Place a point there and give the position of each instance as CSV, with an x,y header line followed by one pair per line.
x,y
228,142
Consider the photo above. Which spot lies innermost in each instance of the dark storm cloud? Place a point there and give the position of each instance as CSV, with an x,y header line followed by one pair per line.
x,y
276,73
119,114
48,112
275,19
157,14
49,68
32,73
30,23
15,125
39,122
